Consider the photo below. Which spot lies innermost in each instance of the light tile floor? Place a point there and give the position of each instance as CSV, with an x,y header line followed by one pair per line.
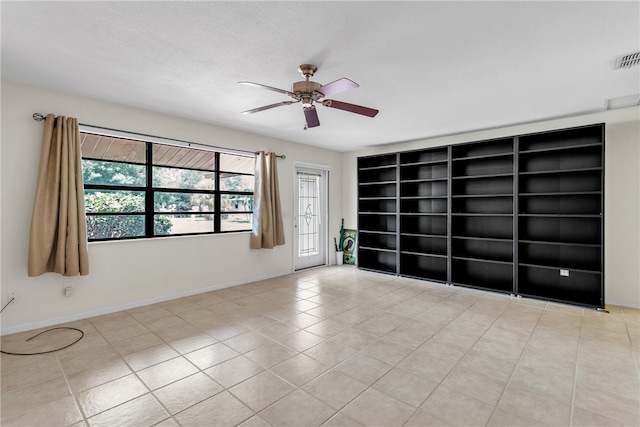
x,y
333,347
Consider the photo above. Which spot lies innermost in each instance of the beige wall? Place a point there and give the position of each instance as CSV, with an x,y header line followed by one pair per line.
x,y
622,182
130,273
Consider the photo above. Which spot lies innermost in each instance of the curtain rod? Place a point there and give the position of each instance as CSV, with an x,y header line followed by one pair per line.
x,y
280,156
39,118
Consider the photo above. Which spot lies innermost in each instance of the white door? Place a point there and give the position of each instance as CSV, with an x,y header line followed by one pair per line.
x,y
310,217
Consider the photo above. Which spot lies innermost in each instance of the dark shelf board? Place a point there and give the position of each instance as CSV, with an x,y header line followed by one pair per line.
x,y
551,267
414,181
371,248
491,261
562,301
562,193
495,175
370,168
561,215
567,148
424,254
559,171
490,239
472,196
437,236
484,156
377,183
422,197
429,163
547,242
423,214
377,198
482,214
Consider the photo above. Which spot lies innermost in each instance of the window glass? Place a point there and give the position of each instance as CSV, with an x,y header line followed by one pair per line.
x,y
113,201
113,173
183,157
137,189
115,226
169,224
236,203
233,182
164,177
236,163
183,202
101,147
236,222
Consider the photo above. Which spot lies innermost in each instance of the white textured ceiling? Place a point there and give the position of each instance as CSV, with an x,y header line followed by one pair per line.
x,y
431,68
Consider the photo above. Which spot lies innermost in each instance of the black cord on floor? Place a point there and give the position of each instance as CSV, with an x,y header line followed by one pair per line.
x,y
5,306
49,351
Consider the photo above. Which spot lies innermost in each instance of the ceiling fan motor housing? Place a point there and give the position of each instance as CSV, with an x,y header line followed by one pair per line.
x,y
306,91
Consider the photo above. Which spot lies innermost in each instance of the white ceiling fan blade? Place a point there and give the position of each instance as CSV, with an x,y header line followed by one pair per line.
x,y
275,89
268,107
337,86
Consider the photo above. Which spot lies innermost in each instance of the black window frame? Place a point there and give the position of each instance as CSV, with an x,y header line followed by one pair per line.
x,y
150,190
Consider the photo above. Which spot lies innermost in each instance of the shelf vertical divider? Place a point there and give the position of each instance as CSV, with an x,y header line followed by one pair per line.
x,y
602,172
449,208
398,226
516,210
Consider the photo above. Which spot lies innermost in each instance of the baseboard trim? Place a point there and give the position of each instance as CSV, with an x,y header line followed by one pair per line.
x,y
127,306
623,304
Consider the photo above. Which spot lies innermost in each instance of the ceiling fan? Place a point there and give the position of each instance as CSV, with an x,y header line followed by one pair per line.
x,y
309,93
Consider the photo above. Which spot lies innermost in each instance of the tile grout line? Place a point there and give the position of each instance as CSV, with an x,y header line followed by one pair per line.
x,y
576,371
515,366
73,395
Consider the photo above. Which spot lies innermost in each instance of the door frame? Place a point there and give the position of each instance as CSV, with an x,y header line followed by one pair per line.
x,y
325,215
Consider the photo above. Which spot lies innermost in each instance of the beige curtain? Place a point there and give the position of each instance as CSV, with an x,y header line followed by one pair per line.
x,y
267,214
58,238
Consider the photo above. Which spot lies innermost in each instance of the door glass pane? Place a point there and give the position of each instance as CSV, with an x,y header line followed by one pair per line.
x,y
308,220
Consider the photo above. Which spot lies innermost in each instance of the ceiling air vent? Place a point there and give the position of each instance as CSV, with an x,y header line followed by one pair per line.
x,y
627,61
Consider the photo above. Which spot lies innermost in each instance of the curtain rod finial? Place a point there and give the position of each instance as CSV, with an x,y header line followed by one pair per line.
x,y
38,117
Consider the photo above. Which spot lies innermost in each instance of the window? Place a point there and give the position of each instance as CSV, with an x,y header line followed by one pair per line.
x,y
136,188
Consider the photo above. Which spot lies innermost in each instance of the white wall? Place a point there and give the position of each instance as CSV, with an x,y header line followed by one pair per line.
x,y
130,273
622,182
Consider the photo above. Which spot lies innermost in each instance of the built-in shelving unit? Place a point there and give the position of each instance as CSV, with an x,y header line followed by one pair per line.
x,y
560,215
424,192
377,213
521,215
482,214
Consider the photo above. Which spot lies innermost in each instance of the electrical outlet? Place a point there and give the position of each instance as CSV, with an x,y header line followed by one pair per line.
x,y
68,291
12,298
